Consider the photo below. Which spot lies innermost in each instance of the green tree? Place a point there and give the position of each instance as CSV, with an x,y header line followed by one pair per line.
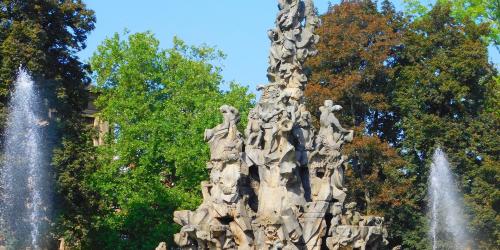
x,y
159,102
44,36
355,68
448,98
485,12
76,161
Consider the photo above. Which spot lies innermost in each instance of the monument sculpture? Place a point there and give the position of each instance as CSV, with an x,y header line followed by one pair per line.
x,y
281,187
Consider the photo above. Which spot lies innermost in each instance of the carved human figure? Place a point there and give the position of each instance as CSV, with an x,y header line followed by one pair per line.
x,y
225,180
303,132
283,125
336,169
314,225
225,140
351,217
308,39
253,131
331,134
292,41
225,148
336,211
329,142
208,226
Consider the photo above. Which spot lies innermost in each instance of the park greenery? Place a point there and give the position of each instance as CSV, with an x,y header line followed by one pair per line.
x,y
409,85
482,12
408,81
160,101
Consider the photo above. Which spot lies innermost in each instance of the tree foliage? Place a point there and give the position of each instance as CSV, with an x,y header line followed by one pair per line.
x,y
407,87
76,161
486,12
444,93
355,68
44,36
356,45
159,102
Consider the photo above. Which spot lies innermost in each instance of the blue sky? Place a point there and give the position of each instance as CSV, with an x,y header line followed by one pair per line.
x,y
237,27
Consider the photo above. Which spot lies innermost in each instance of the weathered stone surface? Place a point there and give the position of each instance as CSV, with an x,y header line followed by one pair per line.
x,y
276,188
161,246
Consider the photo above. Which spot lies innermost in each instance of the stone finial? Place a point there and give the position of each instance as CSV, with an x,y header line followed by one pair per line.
x,y
292,42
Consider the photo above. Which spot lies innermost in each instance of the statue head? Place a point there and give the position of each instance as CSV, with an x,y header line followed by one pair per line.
x,y
253,114
329,104
336,208
351,206
230,113
271,231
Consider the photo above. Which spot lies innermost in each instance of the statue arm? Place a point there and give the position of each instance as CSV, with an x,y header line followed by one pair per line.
x,y
209,133
249,129
336,122
269,115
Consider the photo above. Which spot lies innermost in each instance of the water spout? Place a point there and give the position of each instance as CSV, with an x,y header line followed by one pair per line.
x,y
23,176
447,222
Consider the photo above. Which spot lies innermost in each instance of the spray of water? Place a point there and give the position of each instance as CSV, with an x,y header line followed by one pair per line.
x,y
23,205
448,225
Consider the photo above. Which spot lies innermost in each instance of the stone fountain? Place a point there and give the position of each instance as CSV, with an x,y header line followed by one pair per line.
x,y
281,185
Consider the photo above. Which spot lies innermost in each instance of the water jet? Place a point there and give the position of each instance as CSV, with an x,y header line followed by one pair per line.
x,y
24,174
447,222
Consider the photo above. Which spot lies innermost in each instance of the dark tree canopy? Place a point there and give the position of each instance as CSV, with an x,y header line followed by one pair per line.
x,y
408,86
445,93
356,49
43,36
355,68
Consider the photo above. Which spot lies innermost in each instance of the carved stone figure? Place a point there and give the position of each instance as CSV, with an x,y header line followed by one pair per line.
x,y
327,162
161,246
253,131
276,188
292,41
303,132
331,134
282,125
225,140
221,222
